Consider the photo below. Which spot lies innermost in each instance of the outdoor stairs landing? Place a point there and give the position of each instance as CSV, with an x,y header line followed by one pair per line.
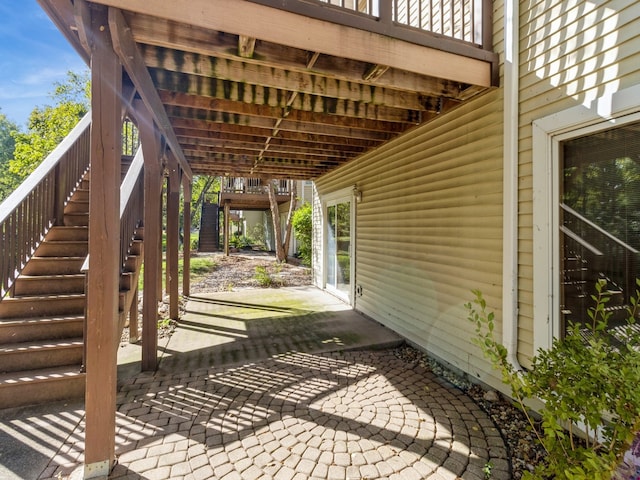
x,y
42,320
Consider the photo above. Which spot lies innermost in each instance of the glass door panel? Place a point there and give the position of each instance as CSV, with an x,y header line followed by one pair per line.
x,y
339,248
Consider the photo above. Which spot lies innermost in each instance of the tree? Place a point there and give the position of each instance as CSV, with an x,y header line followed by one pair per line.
x,y
282,242
48,125
8,181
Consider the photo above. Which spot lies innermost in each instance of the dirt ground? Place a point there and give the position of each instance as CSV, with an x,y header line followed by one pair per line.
x,y
238,271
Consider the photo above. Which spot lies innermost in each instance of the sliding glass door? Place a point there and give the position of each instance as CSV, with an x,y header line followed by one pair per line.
x,y
338,242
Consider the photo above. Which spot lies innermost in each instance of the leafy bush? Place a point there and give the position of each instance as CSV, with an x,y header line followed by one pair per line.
x,y
589,390
303,228
266,279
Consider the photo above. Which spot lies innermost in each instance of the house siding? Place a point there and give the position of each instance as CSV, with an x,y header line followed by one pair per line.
x,y
571,53
429,229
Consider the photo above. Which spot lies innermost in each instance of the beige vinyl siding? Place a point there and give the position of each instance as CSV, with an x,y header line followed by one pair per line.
x,y
571,53
429,229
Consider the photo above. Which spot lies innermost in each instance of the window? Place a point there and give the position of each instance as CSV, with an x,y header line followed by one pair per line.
x,y
599,221
581,157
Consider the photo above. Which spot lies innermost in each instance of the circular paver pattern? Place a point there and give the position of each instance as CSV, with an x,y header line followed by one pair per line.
x,y
346,415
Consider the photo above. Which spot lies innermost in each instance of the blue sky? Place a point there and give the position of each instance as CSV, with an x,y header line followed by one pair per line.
x,y
33,56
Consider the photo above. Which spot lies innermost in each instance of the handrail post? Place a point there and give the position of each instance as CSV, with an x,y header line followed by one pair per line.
x,y
385,12
487,24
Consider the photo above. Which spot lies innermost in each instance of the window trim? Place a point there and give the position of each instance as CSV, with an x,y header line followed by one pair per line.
x,y
613,110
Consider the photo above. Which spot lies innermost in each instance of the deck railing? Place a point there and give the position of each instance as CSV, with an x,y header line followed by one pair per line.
x,y
38,203
463,27
252,186
458,19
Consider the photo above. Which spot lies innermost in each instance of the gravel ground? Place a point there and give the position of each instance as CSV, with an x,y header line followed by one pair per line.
x,y
238,271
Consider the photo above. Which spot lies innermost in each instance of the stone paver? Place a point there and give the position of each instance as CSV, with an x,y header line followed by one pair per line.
x,y
285,418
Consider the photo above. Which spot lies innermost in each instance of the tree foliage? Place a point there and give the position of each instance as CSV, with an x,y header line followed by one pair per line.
x,y
303,229
48,125
8,181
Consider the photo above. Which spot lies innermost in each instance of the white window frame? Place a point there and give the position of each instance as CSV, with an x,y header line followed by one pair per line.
x,y
617,109
331,199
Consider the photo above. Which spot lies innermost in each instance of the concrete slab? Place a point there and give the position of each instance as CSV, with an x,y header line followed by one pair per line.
x,y
232,328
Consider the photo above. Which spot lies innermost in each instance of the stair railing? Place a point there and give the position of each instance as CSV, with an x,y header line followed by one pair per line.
x,y
38,203
131,218
131,205
617,260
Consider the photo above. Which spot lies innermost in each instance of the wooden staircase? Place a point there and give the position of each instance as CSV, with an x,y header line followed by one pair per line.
x,y
209,228
42,319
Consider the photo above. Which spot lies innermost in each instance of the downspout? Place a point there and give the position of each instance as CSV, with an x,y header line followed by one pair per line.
x,y
510,182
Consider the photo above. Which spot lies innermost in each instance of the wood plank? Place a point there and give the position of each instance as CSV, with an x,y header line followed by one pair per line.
x,y
173,227
103,278
304,108
195,66
286,125
229,112
275,145
267,85
153,31
131,58
152,234
311,34
231,140
216,130
246,46
186,236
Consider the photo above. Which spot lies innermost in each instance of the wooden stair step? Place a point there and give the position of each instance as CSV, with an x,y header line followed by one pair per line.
x,y
76,219
68,233
49,284
77,206
42,306
40,354
63,248
41,386
18,330
53,265
81,195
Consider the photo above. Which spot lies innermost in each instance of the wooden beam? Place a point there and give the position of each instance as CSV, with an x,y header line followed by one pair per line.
x,y
104,246
312,34
267,84
166,33
246,46
216,130
375,72
227,212
258,123
131,58
243,141
173,230
309,108
152,234
186,236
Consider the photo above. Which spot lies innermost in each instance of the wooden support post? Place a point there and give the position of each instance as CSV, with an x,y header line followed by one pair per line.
x,y
173,231
186,242
134,334
104,244
152,234
227,232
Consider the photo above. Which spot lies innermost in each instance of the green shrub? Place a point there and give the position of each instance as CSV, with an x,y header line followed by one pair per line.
x,y
303,229
588,386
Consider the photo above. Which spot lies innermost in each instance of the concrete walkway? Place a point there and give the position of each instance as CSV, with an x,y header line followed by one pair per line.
x,y
271,384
